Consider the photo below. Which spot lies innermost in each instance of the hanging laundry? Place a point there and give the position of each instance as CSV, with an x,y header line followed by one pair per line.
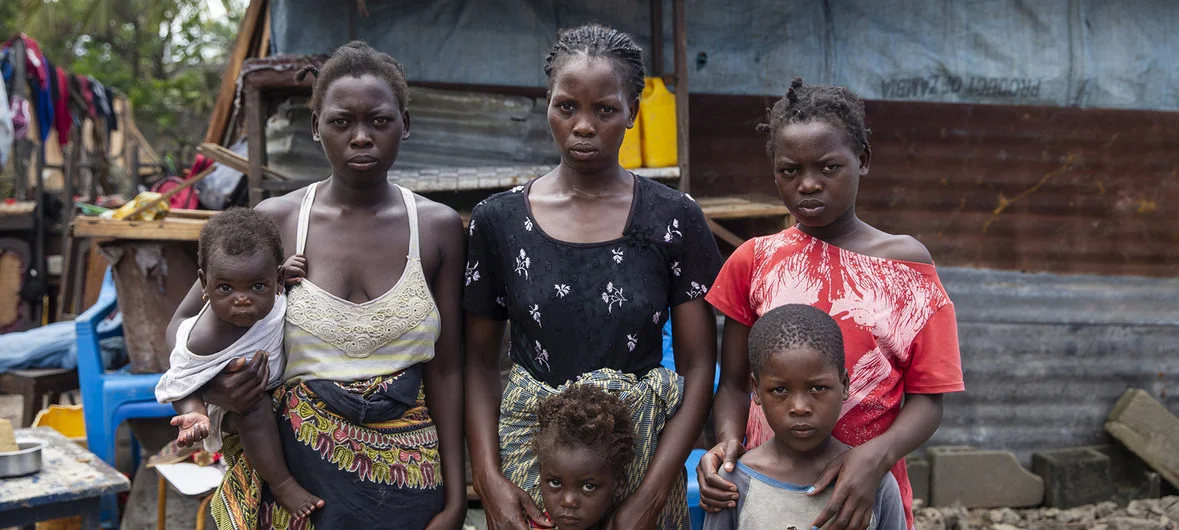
x,y
62,121
35,60
43,102
88,94
102,101
21,117
37,71
6,131
77,102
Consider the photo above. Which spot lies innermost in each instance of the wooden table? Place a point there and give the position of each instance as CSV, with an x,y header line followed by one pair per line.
x,y
71,482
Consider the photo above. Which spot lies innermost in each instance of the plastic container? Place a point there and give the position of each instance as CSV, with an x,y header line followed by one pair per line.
x,y
630,156
65,419
659,133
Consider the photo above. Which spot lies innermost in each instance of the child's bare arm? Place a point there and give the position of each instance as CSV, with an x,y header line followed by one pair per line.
x,y
192,419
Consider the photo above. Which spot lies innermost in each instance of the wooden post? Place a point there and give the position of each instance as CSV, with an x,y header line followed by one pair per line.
x,y
681,92
132,148
70,255
20,150
256,135
656,38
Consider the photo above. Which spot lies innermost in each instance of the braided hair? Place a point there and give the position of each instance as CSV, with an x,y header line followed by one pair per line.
x,y
356,59
239,232
595,40
588,417
802,103
792,326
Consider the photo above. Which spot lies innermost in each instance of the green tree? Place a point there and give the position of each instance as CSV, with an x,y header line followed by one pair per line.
x,y
165,55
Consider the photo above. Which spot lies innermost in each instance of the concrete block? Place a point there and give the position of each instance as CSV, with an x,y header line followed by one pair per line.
x,y
1148,430
918,469
1074,477
1132,478
979,478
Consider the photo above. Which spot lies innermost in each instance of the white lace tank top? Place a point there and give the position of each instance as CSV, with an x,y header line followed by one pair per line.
x,y
328,337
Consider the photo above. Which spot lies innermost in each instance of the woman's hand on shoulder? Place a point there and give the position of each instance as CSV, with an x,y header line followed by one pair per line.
x,y
856,473
716,493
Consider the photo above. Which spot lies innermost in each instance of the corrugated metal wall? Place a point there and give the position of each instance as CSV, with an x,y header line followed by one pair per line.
x,y
1046,356
1004,187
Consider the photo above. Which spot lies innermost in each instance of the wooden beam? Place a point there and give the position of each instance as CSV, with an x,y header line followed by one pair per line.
x,y
264,46
236,161
223,108
181,213
681,93
724,233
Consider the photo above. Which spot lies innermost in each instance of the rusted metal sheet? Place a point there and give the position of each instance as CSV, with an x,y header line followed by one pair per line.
x,y
1046,356
1006,187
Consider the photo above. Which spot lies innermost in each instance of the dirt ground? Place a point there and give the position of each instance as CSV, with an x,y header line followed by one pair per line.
x,y
1150,514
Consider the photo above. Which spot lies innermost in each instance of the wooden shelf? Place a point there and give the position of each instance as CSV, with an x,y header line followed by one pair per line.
x,y
162,230
738,207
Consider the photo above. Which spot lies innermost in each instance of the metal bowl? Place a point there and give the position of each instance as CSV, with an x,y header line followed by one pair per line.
x,y
23,462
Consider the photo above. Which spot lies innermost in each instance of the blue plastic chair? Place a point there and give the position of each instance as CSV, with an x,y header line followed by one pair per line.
x,y
110,398
695,512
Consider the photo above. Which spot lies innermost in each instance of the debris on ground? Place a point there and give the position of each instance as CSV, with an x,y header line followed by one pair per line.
x,y
1148,514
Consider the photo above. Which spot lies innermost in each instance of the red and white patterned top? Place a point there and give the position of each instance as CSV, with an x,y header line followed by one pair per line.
x,y
899,331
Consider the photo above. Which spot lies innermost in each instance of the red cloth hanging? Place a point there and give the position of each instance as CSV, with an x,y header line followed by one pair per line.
x,y
62,121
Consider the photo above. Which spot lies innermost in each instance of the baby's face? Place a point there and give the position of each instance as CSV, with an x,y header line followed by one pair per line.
x,y
577,487
801,393
241,289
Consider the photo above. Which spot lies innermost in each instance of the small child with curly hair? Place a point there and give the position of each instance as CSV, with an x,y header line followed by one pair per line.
x,y
241,274
585,443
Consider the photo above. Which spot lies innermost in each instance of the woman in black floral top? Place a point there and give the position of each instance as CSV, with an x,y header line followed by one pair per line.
x,y
587,263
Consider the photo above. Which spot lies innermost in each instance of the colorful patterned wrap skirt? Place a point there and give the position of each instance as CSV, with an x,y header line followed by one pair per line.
x,y
368,448
652,400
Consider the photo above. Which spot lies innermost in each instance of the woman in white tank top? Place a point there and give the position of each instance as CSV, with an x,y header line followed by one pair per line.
x,y
371,409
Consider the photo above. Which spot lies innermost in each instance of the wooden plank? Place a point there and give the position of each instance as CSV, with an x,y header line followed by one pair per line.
x,y
164,230
264,44
725,234
738,207
236,161
681,93
223,108
181,213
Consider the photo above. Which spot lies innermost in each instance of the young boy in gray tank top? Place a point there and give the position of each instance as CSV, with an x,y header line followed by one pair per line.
x,y
799,379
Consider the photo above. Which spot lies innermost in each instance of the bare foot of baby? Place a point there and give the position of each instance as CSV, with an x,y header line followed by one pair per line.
x,y
298,501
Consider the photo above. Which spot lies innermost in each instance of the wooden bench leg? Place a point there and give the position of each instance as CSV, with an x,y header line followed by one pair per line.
x,y
203,512
162,505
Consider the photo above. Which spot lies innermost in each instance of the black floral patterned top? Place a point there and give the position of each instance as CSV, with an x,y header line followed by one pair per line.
x,y
579,307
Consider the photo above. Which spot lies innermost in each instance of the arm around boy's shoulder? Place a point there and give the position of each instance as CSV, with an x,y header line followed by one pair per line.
x,y
889,509
728,518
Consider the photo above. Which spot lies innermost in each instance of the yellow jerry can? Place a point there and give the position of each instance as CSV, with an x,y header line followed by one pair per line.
x,y
630,156
659,134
